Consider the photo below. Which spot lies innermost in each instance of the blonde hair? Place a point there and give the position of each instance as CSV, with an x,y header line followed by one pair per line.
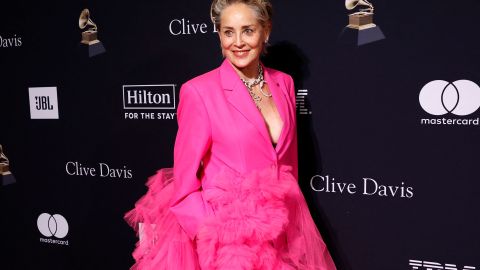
x,y
262,8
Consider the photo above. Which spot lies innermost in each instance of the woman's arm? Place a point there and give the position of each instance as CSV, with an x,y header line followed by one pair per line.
x,y
192,142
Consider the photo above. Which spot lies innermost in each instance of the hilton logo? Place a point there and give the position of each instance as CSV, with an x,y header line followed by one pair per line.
x,y
149,97
43,102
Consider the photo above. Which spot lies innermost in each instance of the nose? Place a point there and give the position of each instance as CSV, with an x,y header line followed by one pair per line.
x,y
238,40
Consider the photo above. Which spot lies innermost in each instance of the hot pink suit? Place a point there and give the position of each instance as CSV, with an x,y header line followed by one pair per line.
x,y
232,200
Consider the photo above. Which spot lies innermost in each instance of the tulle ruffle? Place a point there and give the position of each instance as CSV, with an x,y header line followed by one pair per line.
x,y
163,244
260,222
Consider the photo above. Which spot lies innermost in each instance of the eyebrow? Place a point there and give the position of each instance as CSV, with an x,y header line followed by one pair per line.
x,y
245,26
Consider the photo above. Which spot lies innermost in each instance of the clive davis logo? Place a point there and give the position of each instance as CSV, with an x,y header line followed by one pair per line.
x,y
10,42
43,102
148,99
458,98
55,226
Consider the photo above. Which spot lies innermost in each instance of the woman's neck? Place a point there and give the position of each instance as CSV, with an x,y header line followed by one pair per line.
x,y
249,72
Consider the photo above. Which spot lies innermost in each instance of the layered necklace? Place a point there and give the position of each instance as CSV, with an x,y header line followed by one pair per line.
x,y
251,83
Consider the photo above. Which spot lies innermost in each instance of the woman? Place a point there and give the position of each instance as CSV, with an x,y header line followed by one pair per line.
x,y
232,200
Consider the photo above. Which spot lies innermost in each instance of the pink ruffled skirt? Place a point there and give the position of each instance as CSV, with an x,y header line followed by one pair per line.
x,y
260,222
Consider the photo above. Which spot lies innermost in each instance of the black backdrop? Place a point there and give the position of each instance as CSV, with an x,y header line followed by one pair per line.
x,y
361,124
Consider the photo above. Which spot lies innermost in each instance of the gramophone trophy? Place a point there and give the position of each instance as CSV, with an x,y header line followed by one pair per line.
x,y
90,35
360,24
5,175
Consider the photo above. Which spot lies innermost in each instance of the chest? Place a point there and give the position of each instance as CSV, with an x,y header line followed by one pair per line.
x,y
268,110
240,130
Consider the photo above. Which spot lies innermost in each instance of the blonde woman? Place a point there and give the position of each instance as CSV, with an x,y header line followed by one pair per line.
x,y
232,200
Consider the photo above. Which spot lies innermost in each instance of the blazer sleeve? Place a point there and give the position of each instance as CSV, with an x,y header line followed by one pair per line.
x,y
294,147
192,142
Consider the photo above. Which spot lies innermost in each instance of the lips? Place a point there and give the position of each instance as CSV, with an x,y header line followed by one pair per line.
x,y
240,53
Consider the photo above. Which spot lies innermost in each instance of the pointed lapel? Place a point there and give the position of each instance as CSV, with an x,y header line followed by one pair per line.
x,y
239,97
281,103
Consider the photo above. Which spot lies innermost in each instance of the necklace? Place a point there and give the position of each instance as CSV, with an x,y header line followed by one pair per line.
x,y
251,83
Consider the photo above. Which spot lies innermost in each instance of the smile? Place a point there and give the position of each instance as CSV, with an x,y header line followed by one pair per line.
x,y
240,53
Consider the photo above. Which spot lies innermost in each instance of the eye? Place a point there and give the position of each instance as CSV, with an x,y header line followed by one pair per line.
x,y
228,33
248,31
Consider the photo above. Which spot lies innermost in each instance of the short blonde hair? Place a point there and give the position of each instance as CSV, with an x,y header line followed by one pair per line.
x,y
263,9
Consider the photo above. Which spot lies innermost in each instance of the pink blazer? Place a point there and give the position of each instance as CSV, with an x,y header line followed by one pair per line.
x,y
220,126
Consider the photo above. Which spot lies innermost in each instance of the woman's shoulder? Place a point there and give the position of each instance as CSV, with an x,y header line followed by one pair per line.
x,y
279,75
203,80
282,79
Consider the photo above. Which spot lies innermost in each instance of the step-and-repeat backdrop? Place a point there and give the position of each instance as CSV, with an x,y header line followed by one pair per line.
x,y
387,108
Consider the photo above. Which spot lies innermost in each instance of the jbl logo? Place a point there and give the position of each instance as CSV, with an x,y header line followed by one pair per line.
x,y
43,102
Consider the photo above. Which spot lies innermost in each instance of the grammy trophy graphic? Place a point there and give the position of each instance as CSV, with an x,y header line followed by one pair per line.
x,y
6,176
90,35
360,29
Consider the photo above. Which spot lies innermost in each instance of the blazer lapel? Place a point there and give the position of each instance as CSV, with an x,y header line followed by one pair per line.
x,y
281,103
240,98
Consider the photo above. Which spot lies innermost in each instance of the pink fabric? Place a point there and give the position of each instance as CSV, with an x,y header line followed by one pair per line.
x,y
231,192
163,243
220,126
261,222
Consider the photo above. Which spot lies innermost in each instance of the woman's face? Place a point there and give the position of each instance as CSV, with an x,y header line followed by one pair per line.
x,y
242,38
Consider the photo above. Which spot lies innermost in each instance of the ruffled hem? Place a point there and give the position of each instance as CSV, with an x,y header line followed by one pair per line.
x,y
163,244
261,221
